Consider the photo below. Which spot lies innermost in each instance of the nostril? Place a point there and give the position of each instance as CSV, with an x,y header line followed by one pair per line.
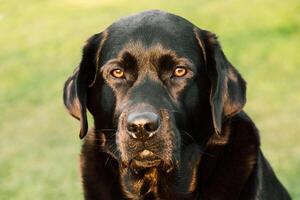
x,y
151,126
132,127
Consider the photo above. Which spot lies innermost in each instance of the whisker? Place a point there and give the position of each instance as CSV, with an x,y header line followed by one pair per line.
x,y
186,143
209,154
108,158
190,136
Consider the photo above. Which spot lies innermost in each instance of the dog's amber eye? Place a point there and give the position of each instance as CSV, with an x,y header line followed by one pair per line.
x,y
117,73
179,71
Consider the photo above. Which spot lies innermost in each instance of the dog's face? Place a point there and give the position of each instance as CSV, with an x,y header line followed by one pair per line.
x,y
157,83
151,85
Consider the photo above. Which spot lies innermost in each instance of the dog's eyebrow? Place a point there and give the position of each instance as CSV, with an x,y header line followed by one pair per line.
x,y
113,62
166,60
128,59
110,63
125,60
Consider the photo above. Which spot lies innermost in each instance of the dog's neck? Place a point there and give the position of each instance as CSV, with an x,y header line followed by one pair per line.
x,y
229,161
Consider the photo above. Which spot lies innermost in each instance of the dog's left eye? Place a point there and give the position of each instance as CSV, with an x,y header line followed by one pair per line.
x,y
117,73
180,71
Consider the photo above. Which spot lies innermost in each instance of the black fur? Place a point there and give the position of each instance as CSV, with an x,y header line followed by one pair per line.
x,y
205,146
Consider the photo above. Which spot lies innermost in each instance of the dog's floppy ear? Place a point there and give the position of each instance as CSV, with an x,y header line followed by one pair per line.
x,y
228,88
75,88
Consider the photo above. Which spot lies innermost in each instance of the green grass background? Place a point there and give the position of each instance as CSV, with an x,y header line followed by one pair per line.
x,y
40,45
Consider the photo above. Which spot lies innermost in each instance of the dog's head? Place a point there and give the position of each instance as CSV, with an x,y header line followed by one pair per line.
x,y
153,83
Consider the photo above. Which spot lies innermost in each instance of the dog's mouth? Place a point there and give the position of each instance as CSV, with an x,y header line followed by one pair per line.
x,y
145,163
145,159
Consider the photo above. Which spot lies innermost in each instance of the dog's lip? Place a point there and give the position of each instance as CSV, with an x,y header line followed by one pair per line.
x,y
146,159
145,163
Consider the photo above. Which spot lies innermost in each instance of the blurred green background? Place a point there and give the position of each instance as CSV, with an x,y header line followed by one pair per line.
x,y
40,45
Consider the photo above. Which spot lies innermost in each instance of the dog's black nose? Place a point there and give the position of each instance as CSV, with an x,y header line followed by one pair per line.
x,y
142,125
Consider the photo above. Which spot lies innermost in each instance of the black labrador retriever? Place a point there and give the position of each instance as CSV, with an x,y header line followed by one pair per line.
x,y
168,116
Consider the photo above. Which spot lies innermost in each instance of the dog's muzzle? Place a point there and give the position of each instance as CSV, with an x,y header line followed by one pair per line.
x,y
145,138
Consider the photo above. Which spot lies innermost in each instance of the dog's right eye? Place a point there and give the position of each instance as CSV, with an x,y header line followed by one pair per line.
x,y
117,73
180,71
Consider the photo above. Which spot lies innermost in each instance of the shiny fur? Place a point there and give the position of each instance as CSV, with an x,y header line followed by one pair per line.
x,y
206,147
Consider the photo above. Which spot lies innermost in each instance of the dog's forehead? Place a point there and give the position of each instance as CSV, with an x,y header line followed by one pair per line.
x,y
152,28
145,55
